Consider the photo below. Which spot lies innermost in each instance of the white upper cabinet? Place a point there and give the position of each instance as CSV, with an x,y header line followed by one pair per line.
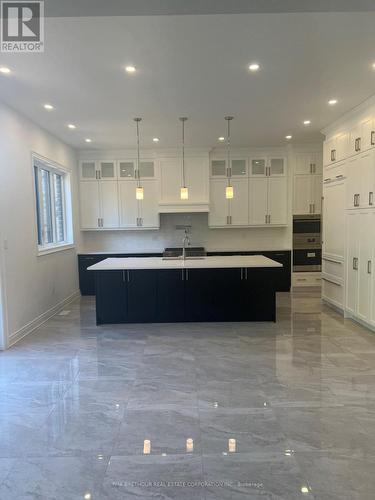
x,y
139,213
267,166
302,195
219,205
353,183
258,167
127,169
334,217
276,167
277,201
355,139
109,211
128,204
89,205
367,196
258,203
368,133
88,170
218,168
239,204
196,179
107,170
148,207
308,163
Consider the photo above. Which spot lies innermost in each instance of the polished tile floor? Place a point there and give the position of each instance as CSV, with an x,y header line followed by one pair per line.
x,y
234,411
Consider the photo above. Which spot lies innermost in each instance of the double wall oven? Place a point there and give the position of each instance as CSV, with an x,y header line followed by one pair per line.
x,y
307,243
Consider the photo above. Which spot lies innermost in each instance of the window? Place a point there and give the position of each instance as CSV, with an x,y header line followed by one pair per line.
x,y
53,206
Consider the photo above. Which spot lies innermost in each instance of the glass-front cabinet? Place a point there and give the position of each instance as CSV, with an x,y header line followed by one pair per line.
x,y
97,170
268,167
218,168
127,169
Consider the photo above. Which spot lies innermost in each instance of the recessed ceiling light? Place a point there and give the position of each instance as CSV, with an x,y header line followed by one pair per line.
x,y
221,139
373,65
130,69
48,106
332,102
70,125
288,137
307,122
155,139
88,140
254,67
4,70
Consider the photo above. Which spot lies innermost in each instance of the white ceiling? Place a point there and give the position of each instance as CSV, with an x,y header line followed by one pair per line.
x,y
194,66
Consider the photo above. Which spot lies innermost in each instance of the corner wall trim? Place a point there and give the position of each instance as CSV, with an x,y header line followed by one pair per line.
x,y
35,323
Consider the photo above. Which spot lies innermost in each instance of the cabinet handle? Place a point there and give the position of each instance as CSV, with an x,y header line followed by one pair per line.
x,y
339,176
359,144
371,198
369,266
182,275
187,274
246,273
311,170
358,200
333,154
313,208
372,138
266,219
355,263
128,275
355,200
241,273
140,221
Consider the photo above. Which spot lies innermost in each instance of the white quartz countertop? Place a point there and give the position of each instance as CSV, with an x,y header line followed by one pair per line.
x,y
201,263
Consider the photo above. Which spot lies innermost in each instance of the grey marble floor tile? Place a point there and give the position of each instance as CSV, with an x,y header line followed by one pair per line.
x,y
63,478
6,465
338,477
107,368
230,395
326,429
73,431
177,477
244,431
255,476
164,367
174,431
161,395
21,369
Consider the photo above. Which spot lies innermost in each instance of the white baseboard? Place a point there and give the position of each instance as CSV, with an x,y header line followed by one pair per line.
x,y
369,326
333,304
35,323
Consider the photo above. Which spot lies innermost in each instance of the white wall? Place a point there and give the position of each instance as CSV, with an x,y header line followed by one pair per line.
x,y
33,285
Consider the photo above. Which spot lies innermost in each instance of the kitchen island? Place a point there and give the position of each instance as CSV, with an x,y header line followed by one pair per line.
x,y
153,289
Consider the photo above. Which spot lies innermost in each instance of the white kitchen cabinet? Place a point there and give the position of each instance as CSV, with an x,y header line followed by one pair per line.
x,y
258,203
196,176
89,205
307,197
302,194
360,293
229,213
352,258
308,163
109,212
330,151
268,201
353,183
218,168
366,238
99,205
333,234
139,213
127,169
274,166
239,204
149,206
355,141
105,170
277,201
88,170
368,133
367,175
128,204
219,205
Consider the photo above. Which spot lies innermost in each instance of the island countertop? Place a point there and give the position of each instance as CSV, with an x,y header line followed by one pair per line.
x,y
235,261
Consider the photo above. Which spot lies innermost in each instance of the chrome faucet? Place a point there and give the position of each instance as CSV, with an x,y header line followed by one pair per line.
x,y
186,242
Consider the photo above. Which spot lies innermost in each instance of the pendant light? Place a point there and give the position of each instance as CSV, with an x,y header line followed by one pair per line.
x,y
184,192
139,189
229,189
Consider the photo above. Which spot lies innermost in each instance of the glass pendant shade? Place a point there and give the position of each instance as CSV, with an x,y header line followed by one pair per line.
x,y
139,193
184,193
229,192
